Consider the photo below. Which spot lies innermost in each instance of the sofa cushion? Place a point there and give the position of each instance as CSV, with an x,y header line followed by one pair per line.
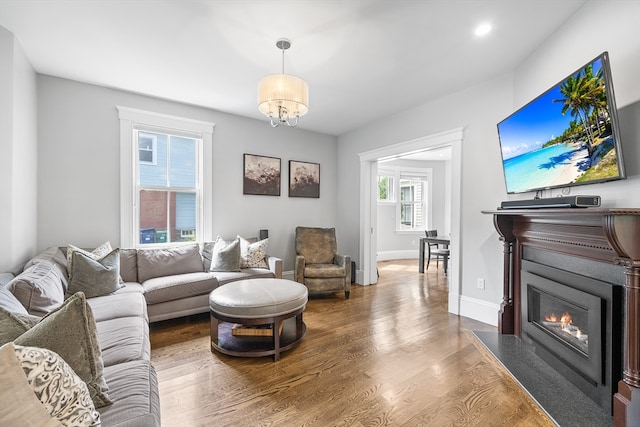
x,y
52,253
70,331
95,277
169,261
97,253
19,402
167,288
123,339
120,304
245,273
225,255
134,386
62,393
40,288
252,254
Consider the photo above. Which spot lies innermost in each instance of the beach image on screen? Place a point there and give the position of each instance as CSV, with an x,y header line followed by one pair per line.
x,y
562,137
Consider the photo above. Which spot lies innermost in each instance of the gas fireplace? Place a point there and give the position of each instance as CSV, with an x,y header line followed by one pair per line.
x,y
570,321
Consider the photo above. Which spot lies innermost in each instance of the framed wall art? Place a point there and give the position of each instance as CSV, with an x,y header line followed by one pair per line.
x,y
261,175
304,179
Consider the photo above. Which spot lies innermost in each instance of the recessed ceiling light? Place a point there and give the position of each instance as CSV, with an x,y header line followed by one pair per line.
x,y
483,29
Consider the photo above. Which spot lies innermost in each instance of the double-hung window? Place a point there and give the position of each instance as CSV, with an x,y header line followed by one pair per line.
x,y
386,186
165,180
409,189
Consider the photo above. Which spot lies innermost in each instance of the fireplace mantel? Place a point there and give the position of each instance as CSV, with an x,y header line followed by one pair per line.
x,y
605,235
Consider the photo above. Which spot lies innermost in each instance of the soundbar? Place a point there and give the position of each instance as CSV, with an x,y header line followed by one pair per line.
x,y
553,202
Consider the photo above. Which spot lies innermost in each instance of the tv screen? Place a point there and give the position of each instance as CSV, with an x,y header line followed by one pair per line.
x,y
566,136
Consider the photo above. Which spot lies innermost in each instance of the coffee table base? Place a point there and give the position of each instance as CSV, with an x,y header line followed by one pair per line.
x,y
225,342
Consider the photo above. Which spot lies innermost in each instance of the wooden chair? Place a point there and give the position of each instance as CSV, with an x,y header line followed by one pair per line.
x,y
435,251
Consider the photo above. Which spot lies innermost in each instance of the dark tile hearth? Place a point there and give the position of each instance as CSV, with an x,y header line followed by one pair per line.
x,y
562,401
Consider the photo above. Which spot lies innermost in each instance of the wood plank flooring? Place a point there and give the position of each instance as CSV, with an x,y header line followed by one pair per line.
x,y
391,355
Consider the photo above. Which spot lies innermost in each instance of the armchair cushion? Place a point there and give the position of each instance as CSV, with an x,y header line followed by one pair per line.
x,y
317,245
324,271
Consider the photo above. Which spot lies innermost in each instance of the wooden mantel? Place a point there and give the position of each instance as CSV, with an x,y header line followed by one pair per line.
x,y
605,235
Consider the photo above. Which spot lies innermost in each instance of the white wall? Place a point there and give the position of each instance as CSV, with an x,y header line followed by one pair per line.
x,y
79,163
18,155
598,26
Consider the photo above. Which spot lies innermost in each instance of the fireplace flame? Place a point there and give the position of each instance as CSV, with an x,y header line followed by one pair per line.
x,y
565,324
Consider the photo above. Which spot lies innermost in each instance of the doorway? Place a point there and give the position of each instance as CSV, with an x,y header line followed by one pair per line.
x,y
368,205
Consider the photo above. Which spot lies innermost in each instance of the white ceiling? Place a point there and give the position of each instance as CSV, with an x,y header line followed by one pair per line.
x,y
363,59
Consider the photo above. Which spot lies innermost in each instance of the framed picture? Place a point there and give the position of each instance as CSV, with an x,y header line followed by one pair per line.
x,y
304,179
261,175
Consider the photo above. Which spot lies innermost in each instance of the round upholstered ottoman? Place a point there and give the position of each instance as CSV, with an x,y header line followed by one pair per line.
x,y
255,317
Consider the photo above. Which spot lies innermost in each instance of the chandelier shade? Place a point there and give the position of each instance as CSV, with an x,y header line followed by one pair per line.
x,y
283,97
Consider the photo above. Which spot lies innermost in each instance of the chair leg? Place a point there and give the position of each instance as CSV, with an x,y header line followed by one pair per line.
x,y
346,294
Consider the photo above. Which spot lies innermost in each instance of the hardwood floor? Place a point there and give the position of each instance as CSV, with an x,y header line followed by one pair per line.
x,y
391,355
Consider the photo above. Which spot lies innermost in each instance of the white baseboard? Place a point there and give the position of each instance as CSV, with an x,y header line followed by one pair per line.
x,y
403,254
480,310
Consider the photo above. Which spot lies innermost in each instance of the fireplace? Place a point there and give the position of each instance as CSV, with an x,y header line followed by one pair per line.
x,y
605,240
571,322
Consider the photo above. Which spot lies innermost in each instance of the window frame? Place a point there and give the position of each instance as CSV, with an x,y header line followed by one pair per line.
x,y
132,120
391,174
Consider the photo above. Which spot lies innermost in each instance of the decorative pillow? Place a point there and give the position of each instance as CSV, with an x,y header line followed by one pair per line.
x,y
62,393
40,288
252,255
9,302
14,324
226,255
97,253
70,331
18,402
95,277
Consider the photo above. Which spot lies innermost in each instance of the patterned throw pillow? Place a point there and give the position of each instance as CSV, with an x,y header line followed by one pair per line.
x,y
226,255
96,254
252,255
63,394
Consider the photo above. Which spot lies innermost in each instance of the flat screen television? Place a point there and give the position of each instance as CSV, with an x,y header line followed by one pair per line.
x,y
566,136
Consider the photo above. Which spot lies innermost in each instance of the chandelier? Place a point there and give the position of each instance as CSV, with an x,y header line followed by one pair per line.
x,y
283,97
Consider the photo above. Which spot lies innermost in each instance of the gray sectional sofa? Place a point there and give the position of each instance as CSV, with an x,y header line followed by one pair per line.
x,y
154,285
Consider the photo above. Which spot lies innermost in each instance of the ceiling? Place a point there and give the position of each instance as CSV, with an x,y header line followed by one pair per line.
x,y
364,60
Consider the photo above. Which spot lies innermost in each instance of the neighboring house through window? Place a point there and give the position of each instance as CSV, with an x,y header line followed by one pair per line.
x,y
166,197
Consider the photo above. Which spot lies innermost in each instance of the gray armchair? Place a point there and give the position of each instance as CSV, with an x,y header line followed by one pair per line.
x,y
318,266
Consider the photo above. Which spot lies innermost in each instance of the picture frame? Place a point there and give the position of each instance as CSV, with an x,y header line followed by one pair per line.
x,y
261,175
304,179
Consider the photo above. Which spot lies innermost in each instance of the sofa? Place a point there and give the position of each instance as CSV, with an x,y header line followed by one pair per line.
x,y
135,287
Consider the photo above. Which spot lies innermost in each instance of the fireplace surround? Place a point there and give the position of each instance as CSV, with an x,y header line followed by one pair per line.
x,y
594,236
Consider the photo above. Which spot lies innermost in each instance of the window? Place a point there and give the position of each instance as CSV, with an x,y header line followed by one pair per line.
x,y
147,144
386,188
167,196
168,190
412,202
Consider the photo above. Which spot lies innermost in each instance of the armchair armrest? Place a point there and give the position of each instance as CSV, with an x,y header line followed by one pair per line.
x,y
299,269
344,261
275,265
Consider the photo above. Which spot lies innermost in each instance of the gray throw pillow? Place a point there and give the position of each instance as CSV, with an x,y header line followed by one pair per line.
x,y
14,324
9,302
226,255
95,277
70,331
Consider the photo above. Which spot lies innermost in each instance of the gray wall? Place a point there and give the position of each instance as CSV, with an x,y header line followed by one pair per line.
x,y
78,178
18,154
598,26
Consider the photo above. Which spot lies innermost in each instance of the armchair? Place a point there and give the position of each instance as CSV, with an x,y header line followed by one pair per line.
x,y
317,264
